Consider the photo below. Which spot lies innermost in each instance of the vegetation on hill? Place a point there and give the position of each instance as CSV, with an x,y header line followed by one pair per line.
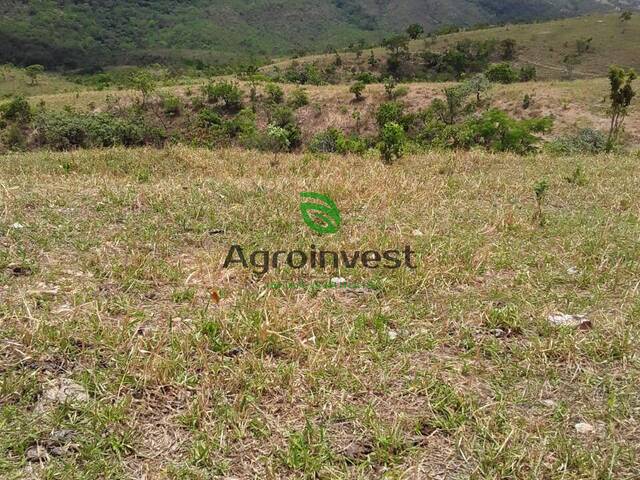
x,y
87,35
581,47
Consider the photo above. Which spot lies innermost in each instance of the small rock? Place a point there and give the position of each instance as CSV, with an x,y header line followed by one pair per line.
x,y
572,271
61,391
392,335
417,233
338,281
575,321
585,428
37,454
548,403
17,226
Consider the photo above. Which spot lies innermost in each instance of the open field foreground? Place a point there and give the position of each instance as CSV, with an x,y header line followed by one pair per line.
x,y
127,351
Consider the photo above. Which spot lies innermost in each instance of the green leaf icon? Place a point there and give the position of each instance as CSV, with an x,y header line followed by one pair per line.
x,y
322,216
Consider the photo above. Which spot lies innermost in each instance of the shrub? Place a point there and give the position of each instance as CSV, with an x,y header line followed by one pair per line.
x,y
283,117
14,138
357,89
389,86
299,98
502,73
499,132
171,105
333,140
209,117
586,140
365,77
392,140
227,92
494,130
16,110
528,73
65,130
242,125
391,112
274,92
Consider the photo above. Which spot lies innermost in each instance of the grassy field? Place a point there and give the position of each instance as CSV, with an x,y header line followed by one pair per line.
x,y
127,351
541,44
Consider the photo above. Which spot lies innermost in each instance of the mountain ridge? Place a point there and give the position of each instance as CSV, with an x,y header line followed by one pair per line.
x,y
73,34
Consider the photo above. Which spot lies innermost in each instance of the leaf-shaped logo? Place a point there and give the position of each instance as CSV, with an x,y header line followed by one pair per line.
x,y
322,216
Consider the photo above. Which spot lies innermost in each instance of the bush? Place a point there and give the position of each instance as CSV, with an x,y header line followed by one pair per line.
x,y
209,117
528,73
586,140
227,92
392,140
502,73
357,89
499,132
494,130
299,98
365,77
283,117
241,126
14,138
171,105
274,92
65,130
391,112
333,140
16,110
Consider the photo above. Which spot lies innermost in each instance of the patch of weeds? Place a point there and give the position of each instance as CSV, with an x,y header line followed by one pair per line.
x,y
504,321
308,451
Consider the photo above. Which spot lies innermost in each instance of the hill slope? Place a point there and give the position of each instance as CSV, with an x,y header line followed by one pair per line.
x,y
72,34
543,45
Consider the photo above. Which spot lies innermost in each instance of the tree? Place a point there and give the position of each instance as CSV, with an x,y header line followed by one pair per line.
x,y
478,84
621,95
144,82
373,61
396,45
626,16
414,31
502,73
275,94
454,105
392,140
390,85
570,63
33,71
278,139
508,49
227,92
357,89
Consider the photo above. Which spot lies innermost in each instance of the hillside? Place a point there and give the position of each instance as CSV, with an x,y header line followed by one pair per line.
x,y
94,33
543,45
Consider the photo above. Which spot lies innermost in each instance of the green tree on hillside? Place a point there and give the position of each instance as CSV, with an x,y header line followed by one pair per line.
x,y
143,82
33,71
621,95
357,89
414,31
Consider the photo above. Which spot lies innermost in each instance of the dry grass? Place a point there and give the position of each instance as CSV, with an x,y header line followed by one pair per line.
x,y
107,267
